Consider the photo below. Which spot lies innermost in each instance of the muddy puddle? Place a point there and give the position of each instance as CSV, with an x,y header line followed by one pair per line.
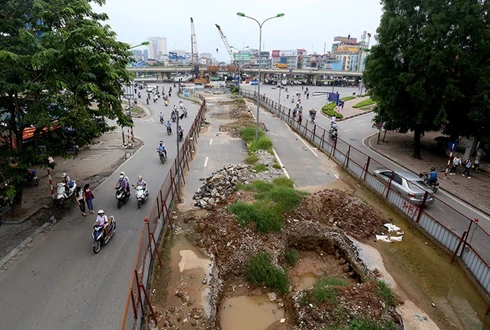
x,y
249,312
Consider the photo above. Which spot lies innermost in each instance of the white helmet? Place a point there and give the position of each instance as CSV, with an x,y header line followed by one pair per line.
x,y
99,212
121,176
64,175
140,178
122,173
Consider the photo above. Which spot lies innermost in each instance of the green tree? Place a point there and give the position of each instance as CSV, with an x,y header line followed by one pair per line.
x,y
57,62
425,70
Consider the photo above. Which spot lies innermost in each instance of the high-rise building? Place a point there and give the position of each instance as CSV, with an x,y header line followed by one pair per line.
x,y
157,48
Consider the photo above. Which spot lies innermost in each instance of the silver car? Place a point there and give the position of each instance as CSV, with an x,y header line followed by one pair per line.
x,y
409,185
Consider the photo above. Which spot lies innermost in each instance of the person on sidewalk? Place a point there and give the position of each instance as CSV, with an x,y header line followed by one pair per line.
x,y
88,197
476,163
456,163
467,166
79,197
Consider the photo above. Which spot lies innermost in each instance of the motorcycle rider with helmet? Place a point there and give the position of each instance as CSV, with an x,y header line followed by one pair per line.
x,y
169,126
102,220
123,182
432,176
66,181
181,132
161,148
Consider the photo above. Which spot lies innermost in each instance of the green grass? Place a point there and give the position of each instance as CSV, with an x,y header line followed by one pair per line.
x,y
328,109
248,134
291,256
265,215
276,166
261,271
386,293
325,290
260,167
364,324
241,100
263,143
347,98
285,198
252,159
364,103
284,182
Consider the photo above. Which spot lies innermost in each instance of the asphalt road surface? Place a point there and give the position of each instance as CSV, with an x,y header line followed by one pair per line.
x,y
60,283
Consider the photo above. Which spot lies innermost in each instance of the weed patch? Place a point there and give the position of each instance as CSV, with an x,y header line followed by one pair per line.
x,y
283,182
252,159
260,167
291,256
264,214
285,198
263,143
261,271
248,134
326,290
386,293
371,325
276,166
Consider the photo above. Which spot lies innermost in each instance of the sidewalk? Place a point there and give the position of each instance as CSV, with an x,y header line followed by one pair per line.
x,y
93,164
399,148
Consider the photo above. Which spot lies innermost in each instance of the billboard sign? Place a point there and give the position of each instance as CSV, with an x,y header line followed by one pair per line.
x,y
290,52
241,56
275,53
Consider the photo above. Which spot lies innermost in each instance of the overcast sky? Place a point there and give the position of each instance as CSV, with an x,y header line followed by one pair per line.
x,y
307,24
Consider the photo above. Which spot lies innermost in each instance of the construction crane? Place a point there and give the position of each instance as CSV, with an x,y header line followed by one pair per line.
x,y
195,56
230,52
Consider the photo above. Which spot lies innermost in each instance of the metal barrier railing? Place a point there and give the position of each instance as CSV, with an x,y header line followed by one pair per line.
x,y
461,235
155,226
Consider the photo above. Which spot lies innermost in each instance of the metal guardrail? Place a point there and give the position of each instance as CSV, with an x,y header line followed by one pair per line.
x,y
155,227
466,239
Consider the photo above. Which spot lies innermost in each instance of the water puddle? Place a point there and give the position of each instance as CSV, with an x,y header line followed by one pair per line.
x,y
249,312
306,281
190,260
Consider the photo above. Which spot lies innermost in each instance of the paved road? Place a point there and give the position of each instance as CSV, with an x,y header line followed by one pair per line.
x,y
355,130
60,283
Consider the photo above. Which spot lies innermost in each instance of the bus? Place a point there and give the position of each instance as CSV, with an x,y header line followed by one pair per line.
x,y
281,65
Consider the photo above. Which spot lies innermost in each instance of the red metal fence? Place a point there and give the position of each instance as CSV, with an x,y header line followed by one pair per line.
x,y
156,225
461,235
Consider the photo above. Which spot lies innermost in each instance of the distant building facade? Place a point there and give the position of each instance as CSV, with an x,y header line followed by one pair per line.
x,y
157,48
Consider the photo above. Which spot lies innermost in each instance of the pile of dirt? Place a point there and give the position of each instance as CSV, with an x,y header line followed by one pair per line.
x,y
338,209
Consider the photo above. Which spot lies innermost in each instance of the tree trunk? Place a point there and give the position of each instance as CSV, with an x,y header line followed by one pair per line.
x,y
17,202
416,143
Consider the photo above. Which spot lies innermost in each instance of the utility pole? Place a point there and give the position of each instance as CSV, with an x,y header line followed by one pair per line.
x,y
178,157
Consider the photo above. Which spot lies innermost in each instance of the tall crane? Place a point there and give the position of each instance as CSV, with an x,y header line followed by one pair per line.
x,y
230,52
195,56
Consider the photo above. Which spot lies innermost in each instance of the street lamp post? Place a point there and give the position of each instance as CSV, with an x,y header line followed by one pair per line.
x,y
260,63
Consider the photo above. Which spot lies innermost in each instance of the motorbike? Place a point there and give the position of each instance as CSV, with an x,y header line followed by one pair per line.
x,y
169,130
32,177
332,134
141,195
166,103
163,158
434,186
184,112
181,136
122,196
174,117
161,120
99,235
62,193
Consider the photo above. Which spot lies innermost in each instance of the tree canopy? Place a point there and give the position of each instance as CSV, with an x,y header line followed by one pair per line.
x,y
431,68
60,67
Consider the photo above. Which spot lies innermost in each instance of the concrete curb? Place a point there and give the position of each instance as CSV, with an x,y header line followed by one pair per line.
x,y
368,144
22,245
353,116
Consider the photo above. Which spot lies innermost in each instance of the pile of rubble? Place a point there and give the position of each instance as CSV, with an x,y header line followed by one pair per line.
x,y
221,184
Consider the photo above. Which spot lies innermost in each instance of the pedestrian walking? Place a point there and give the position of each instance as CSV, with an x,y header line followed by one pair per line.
x,y
307,96
455,164
88,195
467,166
476,163
300,118
79,197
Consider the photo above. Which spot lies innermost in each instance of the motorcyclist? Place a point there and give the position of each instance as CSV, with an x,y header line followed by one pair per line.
x,y
161,148
181,105
122,182
181,132
169,126
184,111
175,108
174,115
432,176
102,220
141,183
160,115
166,102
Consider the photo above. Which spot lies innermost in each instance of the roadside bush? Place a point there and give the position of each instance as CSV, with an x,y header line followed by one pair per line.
x,y
242,100
264,214
284,182
234,90
364,103
276,166
325,290
328,109
263,143
261,271
252,159
291,256
260,167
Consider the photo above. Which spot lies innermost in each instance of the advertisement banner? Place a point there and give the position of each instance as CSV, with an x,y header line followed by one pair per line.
x,y
275,53
241,57
172,56
291,52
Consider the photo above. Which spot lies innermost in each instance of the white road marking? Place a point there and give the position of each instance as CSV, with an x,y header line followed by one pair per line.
x,y
206,162
211,142
335,175
289,128
358,121
314,153
346,130
280,163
